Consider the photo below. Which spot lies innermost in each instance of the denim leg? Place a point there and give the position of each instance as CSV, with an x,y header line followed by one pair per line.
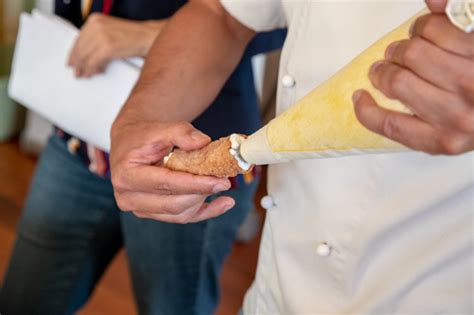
x,y
68,233
220,236
175,268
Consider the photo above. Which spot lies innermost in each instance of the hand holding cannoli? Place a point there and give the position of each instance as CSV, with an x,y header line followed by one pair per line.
x,y
220,158
155,192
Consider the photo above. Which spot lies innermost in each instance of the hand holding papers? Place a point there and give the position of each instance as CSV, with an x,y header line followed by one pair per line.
x,y
42,81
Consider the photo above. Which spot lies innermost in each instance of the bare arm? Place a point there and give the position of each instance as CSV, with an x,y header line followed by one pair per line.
x,y
189,63
186,67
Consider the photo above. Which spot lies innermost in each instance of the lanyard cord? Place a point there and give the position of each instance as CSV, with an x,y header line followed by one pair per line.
x,y
86,8
106,7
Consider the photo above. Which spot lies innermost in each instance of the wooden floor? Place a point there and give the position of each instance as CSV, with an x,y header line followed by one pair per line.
x,y
113,295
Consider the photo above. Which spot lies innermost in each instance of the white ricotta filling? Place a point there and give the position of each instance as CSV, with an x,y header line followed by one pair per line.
x,y
166,158
236,140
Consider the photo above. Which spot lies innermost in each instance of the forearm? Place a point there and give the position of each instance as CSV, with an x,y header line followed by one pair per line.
x,y
188,64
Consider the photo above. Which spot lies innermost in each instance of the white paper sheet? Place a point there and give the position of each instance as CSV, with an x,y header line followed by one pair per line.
x,y
42,81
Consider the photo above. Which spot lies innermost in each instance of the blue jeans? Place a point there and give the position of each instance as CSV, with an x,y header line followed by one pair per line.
x,y
71,229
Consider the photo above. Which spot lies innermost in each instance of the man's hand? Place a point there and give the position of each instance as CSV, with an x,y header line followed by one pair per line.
x,y
181,77
154,192
105,38
432,73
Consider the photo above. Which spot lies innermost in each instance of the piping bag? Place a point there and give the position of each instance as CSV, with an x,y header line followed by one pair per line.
x,y
323,123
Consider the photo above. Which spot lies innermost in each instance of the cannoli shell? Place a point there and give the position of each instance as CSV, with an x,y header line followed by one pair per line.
x,y
212,160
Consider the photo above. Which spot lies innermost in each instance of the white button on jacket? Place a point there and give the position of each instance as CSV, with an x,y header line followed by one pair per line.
x,y
401,223
267,202
288,81
324,250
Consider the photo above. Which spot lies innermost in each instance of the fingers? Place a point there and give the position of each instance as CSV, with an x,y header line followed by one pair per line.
x,y
432,74
156,140
155,179
437,29
397,126
430,62
105,38
410,130
156,192
186,137
178,134
181,217
216,208
92,50
89,57
96,63
81,51
141,147
436,6
154,203
206,211
423,99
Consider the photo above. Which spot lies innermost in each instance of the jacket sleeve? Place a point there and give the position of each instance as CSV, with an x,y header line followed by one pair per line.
x,y
259,15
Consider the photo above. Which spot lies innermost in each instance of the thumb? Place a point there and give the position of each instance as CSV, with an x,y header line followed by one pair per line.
x,y
186,137
436,6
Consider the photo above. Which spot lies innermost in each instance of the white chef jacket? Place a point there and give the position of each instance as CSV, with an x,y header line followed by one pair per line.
x,y
369,234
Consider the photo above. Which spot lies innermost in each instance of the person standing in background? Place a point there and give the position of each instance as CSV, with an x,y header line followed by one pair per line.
x,y
71,226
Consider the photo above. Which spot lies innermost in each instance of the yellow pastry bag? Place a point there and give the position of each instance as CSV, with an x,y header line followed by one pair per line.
x,y
323,123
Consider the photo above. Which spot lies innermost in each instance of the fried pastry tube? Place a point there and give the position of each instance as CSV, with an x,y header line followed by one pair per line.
x,y
220,158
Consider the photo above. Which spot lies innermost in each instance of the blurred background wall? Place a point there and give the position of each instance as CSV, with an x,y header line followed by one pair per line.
x,y
13,118
11,115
